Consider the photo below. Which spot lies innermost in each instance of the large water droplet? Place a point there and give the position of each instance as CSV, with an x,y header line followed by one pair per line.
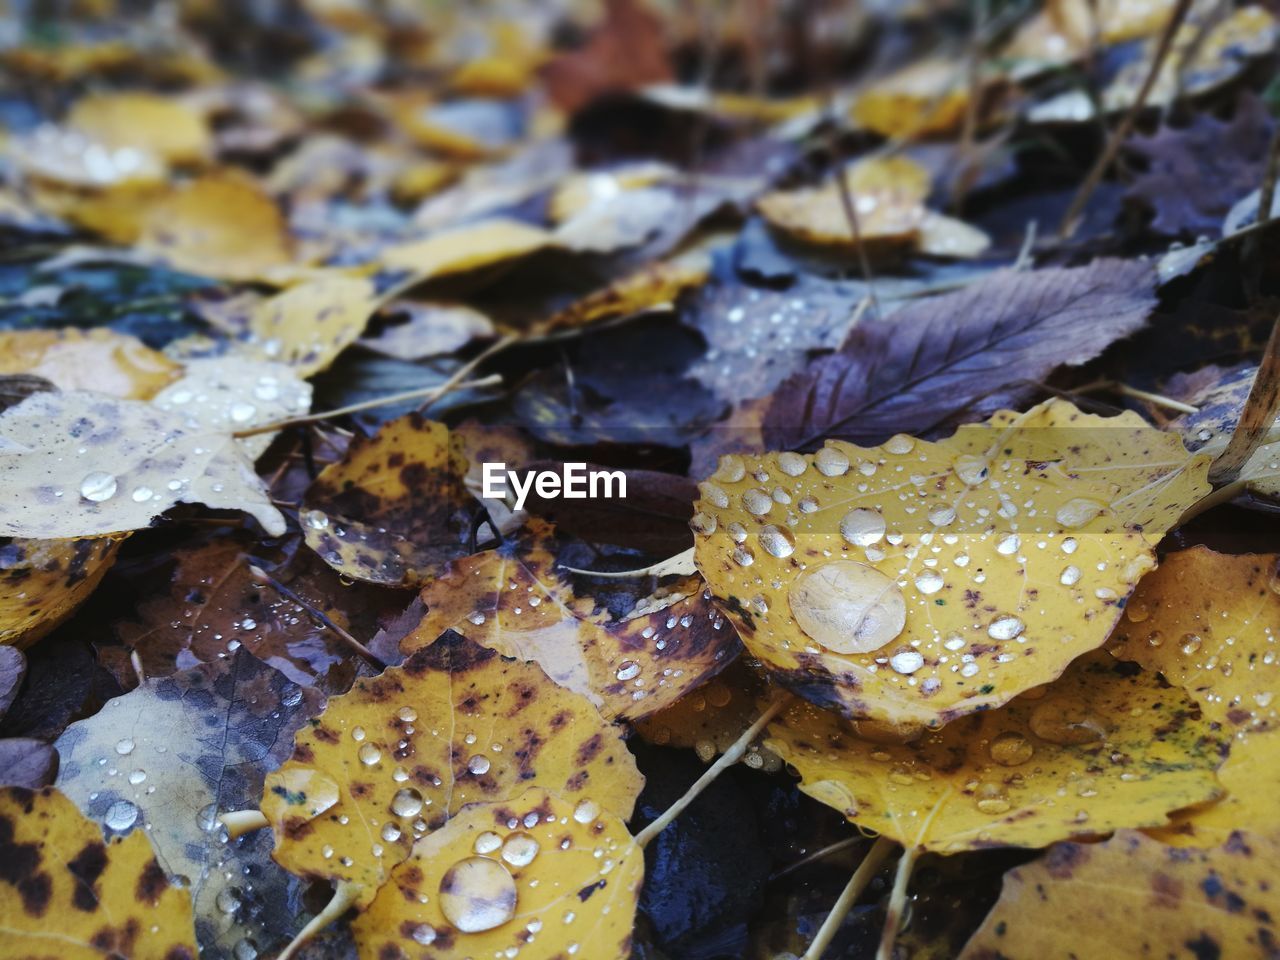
x,y
906,661
477,894
792,464
121,815
520,849
847,606
929,581
424,934
478,764
98,486
731,469
370,755
831,462
406,803
1078,511
586,811
124,746
628,670
713,494
777,541
900,444
1005,627
862,527
1063,722
1011,749
971,470
756,501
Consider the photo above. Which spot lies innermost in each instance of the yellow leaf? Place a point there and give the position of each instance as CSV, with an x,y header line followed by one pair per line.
x,y
547,876
165,127
42,582
1134,897
459,250
1100,748
218,226
100,360
69,894
308,325
927,97
515,601
404,751
1208,623
394,506
916,582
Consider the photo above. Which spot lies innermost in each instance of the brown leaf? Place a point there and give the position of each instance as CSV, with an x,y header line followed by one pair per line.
x,y
626,51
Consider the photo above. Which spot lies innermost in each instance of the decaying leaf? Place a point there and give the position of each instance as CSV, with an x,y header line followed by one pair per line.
x,y
482,244
515,601
27,762
429,330
66,893
540,874
1209,430
917,582
1208,622
1132,897
81,464
394,506
940,356
99,360
627,50
401,753
163,760
1102,747
42,582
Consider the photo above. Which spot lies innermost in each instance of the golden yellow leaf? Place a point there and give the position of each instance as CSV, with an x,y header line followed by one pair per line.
x,y
1209,623
927,97
308,325
540,874
1134,897
515,601
100,360
56,155
1100,748
218,226
42,582
465,248
165,127
919,581
395,506
401,753
116,212
67,893
578,191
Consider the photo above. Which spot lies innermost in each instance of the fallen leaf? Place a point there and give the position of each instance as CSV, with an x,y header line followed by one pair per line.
x,y
105,898
918,582
930,96
165,127
63,683
137,462
99,360
164,759
42,582
540,874
13,668
462,249
403,752
1131,896
515,601
394,506
428,330
1208,431
1207,622
627,50
936,357
1101,747
27,762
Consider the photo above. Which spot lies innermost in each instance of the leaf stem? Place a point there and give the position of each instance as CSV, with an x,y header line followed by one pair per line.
x,y
261,576
344,895
849,896
466,369
897,904
1257,415
726,760
240,822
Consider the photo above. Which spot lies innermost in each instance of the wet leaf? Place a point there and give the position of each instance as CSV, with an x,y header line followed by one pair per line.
x,y
164,127
27,762
935,358
1221,397
396,757
309,324
627,50
42,582
930,96
13,667
99,360
482,244
1082,899
917,582
1207,622
102,899
394,506
1102,747
429,330
137,461
542,874
515,600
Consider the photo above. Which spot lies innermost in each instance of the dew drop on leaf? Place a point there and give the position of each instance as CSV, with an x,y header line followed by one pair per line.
x,y
98,486
477,894
862,527
848,607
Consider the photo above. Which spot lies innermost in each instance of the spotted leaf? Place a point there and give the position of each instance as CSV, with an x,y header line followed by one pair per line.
x,y
65,892
1134,897
514,600
42,582
394,506
542,875
397,756
1208,623
1100,748
100,360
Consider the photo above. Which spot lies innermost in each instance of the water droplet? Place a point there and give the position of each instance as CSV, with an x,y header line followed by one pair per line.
x,y
406,803
792,464
971,469
227,901
1011,749
487,842
906,661
479,765
756,501
1078,511
370,755
777,541
520,849
121,815
124,746
1070,575
743,556
848,607
713,494
1005,627
243,412
137,777
424,934
703,523
1191,643
731,469
831,462
98,486
1063,722
407,714
629,670
900,444
930,581
586,811
1136,611
1008,544
862,527
390,832
477,894
942,516
142,494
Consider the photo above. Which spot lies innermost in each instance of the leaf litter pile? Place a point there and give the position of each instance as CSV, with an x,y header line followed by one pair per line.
x,y
930,359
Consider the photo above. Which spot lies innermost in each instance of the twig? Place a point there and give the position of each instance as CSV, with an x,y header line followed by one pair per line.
x,y
240,822
1257,416
465,370
897,904
433,393
1121,132
725,761
848,897
261,576
824,852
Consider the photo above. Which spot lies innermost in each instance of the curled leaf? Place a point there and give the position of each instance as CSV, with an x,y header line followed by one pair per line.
x,y
42,582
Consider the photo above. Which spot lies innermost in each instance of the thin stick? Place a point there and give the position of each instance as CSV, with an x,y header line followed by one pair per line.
x,y
726,760
848,897
432,393
240,822
1160,400
136,662
261,576
817,855
897,904
344,895
465,370
1121,132
1256,418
